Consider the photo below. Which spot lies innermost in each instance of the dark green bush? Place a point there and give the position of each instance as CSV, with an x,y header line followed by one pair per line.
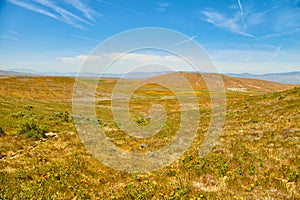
x,y
61,116
1,131
22,114
31,128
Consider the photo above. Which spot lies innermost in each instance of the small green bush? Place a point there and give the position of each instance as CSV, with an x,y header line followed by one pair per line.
x,y
19,114
61,116
140,121
30,128
22,114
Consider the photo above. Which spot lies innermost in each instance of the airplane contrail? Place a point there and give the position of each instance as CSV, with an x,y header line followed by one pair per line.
x,y
121,7
242,13
185,41
277,51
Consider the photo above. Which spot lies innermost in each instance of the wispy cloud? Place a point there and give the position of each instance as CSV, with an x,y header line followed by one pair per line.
x,y
162,6
122,62
86,38
256,18
129,57
88,12
65,15
235,23
291,21
11,35
274,35
8,37
242,13
50,9
80,58
13,32
121,7
33,8
231,24
256,22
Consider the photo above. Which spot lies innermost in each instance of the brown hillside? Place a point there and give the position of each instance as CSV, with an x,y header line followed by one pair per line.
x,y
43,88
231,83
61,88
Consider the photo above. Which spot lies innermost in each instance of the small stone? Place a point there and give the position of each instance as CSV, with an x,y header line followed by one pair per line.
x,y
51,134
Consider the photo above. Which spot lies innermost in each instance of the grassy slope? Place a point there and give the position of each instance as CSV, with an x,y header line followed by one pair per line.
x,y
197,81
257,156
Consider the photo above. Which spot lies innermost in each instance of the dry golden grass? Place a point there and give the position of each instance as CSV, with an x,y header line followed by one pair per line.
x,y
257,156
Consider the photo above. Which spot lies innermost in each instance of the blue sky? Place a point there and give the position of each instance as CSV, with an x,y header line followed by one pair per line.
x,y
255,36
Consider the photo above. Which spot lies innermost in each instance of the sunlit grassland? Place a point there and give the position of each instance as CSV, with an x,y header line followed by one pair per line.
x,y
257,156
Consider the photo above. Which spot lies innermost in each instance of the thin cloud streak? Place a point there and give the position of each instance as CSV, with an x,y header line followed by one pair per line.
x,y
276,51
226,23
290,23
236,23
33,8
8,37
242,13
122,7
186,41
88,12
60,13
86,38
13,32
66,16
277,34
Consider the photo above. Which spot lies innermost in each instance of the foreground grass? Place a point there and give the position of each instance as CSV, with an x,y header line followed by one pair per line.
x,y
257,156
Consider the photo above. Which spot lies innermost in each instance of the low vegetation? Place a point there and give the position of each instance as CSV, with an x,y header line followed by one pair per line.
x,y
31,128
257,156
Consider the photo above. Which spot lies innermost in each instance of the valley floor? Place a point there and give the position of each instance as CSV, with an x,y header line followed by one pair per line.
x,y
42,156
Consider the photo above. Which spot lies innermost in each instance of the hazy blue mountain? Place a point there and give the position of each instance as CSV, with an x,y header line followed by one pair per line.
x,y
287,77
132,75
11,73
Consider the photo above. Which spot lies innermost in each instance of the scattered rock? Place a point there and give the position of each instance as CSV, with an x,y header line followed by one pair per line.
x,y
51,134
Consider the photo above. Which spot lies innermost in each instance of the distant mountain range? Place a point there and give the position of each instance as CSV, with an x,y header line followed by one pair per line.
x,y
287,77
10,73
133,75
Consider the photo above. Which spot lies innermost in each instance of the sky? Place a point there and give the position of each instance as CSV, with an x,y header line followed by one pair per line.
x,y
239,36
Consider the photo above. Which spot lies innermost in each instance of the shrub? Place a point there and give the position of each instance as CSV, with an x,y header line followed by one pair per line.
x,y
30,128
18,114
1,131
141,121
62,116
22,114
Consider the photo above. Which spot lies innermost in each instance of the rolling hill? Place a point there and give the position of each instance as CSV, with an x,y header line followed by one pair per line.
x,y
41,88
231,83
257,155
60,88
